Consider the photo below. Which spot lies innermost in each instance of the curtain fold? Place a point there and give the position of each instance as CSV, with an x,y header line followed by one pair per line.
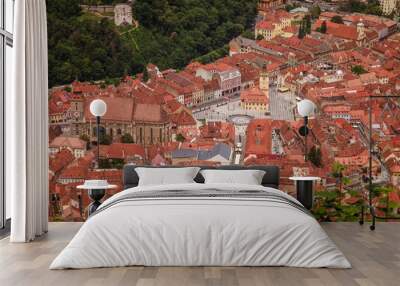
x,y
27,123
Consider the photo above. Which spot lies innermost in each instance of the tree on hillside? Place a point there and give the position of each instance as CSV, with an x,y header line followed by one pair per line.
x,y
180,138
323,28
315,11
315,156
249,34
338,173
307,20
83,46
105,139
127,138
383,192
353,6
171,34
337,19
358,70
302,32
357,6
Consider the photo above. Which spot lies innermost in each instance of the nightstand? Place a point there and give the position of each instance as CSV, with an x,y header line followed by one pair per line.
x,y
96,190
304,190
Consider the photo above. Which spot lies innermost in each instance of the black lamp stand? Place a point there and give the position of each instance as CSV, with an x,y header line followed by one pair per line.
x,y
98,140
371,150
303,131
96,194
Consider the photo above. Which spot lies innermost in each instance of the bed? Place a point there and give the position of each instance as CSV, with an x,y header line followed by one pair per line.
x,y
201,224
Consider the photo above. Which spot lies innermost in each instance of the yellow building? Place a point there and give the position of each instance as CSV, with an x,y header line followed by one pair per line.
x,y
257,98
274,24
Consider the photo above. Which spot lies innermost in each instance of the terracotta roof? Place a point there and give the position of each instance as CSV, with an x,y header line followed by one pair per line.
x,y
60,160
85,88
150,113
58,107
123,151
338,30
172,106
265,25
118,108
71,142
182,118
259,134
74,172
254,95
219,67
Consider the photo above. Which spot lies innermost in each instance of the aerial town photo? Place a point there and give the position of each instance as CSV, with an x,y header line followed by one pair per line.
x,y
215,82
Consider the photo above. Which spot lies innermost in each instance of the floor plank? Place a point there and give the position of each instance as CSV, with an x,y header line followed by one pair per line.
x,y
375,257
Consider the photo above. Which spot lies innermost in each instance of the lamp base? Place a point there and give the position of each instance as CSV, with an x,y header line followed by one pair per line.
x,y
305,193
303,130
96,195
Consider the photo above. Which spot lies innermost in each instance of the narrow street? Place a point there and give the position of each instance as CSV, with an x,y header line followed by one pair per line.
x,y
384,175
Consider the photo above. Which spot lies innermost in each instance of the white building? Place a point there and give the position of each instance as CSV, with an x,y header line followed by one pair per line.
x,y
123,14
73,144
388,6
229,78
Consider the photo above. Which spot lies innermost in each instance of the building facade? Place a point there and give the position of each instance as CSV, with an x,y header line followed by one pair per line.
x,y
388,6
123,14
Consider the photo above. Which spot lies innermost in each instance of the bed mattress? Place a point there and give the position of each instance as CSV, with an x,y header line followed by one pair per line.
x,y
201,225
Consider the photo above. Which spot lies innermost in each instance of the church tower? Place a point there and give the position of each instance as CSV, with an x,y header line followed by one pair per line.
x,y
264,80
264,84
360,33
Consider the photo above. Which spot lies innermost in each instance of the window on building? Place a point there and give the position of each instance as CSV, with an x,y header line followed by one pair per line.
x,y
6,64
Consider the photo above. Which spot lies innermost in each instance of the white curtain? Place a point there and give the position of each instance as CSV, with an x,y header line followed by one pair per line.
x,y
27,124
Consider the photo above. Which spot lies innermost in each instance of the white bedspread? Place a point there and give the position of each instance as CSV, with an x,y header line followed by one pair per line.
x,y
200,231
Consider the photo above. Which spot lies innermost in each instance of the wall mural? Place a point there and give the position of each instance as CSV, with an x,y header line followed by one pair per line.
x,y
217,83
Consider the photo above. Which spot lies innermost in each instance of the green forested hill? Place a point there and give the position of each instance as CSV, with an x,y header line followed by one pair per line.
x,y
171,33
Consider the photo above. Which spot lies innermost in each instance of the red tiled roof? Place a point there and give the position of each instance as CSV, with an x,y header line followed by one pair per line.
x,y
123,151
85,88
74,172
118,108
338,30
265,25
150,113
71,142
60,160
259,134
182,118
254,95
219,67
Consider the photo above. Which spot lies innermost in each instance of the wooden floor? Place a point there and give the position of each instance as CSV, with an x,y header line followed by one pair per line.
x,y
375,257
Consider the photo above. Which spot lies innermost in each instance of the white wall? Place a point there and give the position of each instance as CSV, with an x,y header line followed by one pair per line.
x,y
8,85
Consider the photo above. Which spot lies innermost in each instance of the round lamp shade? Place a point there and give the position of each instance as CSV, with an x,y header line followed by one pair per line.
x,y
98,107
305,107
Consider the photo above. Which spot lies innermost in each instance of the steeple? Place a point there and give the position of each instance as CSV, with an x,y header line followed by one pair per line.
x,y
264,79
360,30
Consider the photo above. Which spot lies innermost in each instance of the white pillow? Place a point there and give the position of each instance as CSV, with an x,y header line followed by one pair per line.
x,y
166,176
248,177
